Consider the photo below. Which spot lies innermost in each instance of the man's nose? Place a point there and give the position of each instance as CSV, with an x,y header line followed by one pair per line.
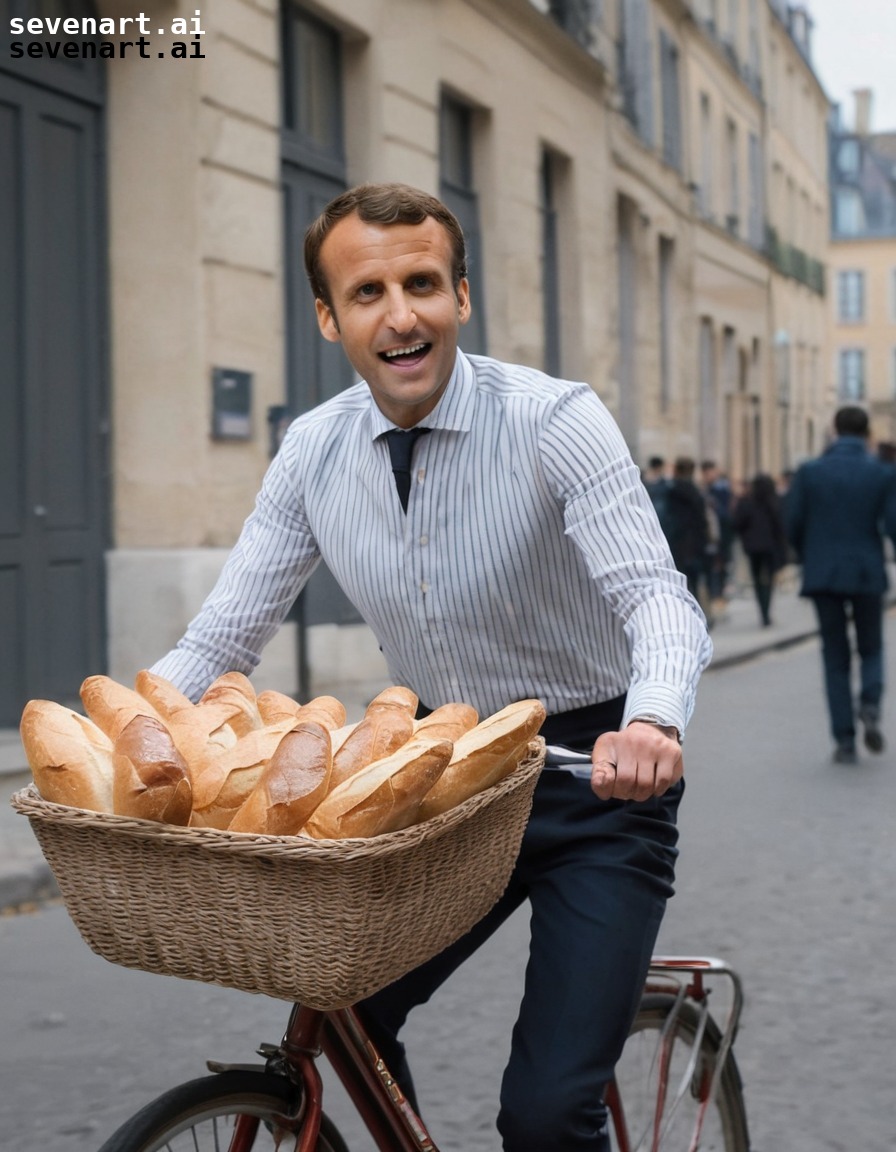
x,y
401,316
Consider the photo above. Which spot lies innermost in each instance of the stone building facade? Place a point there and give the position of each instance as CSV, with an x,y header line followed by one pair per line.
x,y
642,183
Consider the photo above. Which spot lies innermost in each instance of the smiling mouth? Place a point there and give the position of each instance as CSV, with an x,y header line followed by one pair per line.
x,y
411,353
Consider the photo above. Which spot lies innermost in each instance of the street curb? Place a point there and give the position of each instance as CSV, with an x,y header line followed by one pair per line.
x,y
32,884
748,654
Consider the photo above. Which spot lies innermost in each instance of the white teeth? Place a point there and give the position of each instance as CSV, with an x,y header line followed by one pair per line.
x,y
414,348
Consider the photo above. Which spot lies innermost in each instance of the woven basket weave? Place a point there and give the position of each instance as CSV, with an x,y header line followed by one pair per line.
x,y
322,922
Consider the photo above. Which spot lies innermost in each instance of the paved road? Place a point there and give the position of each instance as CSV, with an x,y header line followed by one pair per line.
x,y
787,870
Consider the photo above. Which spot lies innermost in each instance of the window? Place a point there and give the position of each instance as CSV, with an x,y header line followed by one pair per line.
x,y
732,218
850,296
667,319
705,192
851,376
312,77
635,67
849,212
671,101
550,264
756,234
848,157
458,191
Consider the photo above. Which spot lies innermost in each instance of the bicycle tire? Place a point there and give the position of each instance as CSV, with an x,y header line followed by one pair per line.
x,y
199,1115
725,1128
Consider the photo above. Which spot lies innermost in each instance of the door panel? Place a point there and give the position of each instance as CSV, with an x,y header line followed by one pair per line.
x,y
52,441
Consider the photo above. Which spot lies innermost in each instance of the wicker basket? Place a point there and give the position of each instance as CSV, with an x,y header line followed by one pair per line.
x,y
322,922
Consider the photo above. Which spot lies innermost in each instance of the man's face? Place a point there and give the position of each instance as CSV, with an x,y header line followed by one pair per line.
x,y
394,310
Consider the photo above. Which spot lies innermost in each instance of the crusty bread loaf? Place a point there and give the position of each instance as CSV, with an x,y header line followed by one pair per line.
x,y
224,785
394,696
234,691
291,785
200,731
69,756
381,732
325,710
273,706
167,700
150,780
449,720
383,797
484,755
112,706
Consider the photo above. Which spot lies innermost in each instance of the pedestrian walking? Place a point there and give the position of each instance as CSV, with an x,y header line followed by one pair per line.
x,y
838,511
515,554
758,521
687,527
657,484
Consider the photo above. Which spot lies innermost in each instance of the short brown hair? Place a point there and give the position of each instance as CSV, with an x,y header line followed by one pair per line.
x,y
381,204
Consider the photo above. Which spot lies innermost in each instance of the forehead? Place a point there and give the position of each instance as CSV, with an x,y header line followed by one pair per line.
x,y
355,249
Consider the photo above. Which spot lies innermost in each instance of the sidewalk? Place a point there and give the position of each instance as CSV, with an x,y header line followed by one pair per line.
x,y
25,877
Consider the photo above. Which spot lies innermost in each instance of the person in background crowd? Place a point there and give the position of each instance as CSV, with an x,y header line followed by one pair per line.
x,y
837,511
515,555
657,484
687,525
759,523
886,451
717,489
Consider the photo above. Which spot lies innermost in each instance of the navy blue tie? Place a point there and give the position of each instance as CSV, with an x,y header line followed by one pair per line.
x,y
401,443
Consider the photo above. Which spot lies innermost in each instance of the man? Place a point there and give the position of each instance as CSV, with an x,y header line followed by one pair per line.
x,y
837,511
657,484
517,556
687,524
717,489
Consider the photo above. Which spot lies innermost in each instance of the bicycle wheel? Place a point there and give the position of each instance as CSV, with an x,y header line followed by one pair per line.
x,y
638,1119
202,1116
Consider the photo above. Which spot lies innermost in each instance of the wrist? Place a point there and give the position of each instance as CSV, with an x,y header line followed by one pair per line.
x,y
667,729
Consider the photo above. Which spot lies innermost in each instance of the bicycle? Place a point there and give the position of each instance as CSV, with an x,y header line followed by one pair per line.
x,y
677,1086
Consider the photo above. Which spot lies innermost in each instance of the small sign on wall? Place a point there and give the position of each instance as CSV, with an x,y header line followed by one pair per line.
x,y
231,404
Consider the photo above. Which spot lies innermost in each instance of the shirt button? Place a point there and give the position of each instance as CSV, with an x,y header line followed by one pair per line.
x,y
424,540
421,472
424,587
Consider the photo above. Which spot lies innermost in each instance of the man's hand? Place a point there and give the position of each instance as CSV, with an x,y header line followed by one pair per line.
x,y
641,761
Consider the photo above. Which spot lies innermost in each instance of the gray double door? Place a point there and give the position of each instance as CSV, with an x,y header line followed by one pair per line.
x,y
53,419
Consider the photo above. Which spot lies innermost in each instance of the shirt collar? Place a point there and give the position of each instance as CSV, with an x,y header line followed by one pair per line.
x,y
454,410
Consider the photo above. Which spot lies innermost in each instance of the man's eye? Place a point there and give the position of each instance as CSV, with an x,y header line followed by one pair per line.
x,y
367,291
421,283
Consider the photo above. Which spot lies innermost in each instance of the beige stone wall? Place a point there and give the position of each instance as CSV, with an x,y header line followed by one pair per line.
x,y
196,251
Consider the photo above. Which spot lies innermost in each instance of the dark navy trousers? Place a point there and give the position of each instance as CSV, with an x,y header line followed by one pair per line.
x,y
597,875
834,611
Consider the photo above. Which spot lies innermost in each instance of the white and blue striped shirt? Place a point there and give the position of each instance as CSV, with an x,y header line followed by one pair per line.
x,y
530,562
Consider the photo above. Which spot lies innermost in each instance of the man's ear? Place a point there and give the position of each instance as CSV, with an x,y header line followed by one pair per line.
x,y
326,321
464,308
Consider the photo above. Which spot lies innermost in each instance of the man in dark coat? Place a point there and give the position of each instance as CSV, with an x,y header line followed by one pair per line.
x,y
686,524
838,510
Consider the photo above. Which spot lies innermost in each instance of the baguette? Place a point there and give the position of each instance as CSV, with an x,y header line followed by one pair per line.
x,y
112,706
396,696
225,783
380,733
200,731
273,706
150,780
383,797
292,784
234,693
484,755
325,710
69,756
449,720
